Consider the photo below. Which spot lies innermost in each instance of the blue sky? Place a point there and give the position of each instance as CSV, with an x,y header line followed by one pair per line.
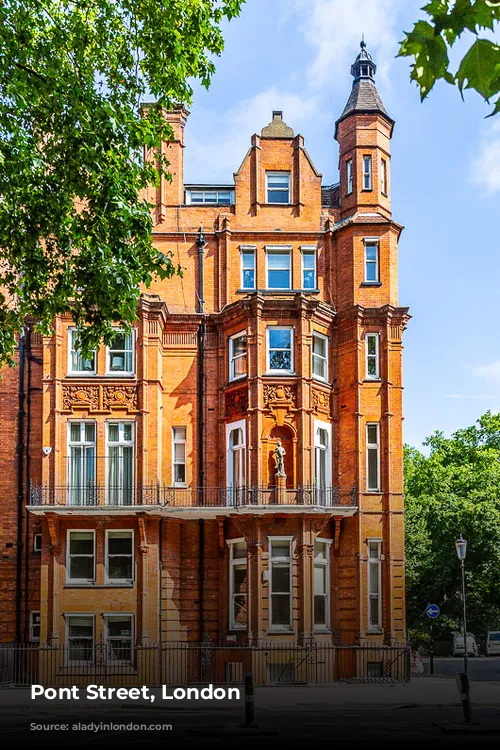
x,y
295,55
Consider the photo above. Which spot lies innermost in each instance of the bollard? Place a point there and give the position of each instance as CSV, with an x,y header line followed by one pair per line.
x,y
249,701
463,686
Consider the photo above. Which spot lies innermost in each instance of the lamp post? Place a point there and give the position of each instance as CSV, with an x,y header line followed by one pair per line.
x,y
463,678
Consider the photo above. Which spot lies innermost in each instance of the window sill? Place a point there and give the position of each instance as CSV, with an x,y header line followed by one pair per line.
x,y
281,631
323,631
236,380
120,375
319,379
81,375
72,585
371,283
367,190
372,380
373,492
277,291
279,374
375,631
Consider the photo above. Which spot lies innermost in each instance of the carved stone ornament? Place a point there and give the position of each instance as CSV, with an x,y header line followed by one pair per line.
x,y
85,396
236,401
280,399
120,396
99,397
321,401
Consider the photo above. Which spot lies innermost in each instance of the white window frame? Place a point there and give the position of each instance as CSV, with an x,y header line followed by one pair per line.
x,y
317,334
67,618
203,191
79,373
81,491
34,638
374,627
370,241
367,173
349,180
280,560
179,441
120,444
113,581
239,425
383,176
37,542
375,356
326,564
373,447
309,250
233,563
232,358
247,250
121,373
324,498
79,581
272,173
279,250
268,352
105,616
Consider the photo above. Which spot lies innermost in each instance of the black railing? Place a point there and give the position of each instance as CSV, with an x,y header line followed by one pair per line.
x,y
201,663
190,497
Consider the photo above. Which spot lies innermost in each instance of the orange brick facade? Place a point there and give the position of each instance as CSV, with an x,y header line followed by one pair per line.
x,y
264,342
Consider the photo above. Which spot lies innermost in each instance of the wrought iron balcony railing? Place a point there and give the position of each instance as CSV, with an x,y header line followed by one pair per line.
x,y
190,497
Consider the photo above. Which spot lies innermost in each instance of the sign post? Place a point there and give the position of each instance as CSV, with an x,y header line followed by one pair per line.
x,y
432,611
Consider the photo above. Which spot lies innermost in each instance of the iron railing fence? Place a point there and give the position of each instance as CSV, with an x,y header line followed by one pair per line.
x,y
97,494
203,663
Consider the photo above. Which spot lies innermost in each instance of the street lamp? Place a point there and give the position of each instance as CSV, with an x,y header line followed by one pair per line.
x,y
463,678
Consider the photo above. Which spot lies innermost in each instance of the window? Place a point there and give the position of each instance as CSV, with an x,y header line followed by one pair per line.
x,y
372,355
120,473
77,364
248,268
235,459
371,260
238,585
80,638
179,456
34,627
320,356
322,584
367,172
37,542
308,269
374,585
279,274
120,357
81,463
278,187
118,634
348,167
120,556
280,593
221,197
372,458
238,356
323,462
280,350
81,557
383,177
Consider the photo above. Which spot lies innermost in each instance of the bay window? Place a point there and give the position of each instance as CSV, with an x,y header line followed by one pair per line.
x,y
319,356
280,350
238,356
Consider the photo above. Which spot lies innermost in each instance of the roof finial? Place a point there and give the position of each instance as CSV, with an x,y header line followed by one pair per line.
x,y
362,43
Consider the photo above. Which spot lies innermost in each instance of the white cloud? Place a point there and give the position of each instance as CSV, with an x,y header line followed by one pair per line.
x,y
334,28
491,371
486,166
229,134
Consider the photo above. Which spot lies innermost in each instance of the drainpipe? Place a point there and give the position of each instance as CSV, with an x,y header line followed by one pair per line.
x,y
20,484
201,242
27,488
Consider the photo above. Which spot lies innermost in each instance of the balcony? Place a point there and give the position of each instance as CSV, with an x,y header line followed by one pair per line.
x,y
190,501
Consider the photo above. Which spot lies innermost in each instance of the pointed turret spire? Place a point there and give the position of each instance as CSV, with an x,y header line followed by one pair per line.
x,y
364,96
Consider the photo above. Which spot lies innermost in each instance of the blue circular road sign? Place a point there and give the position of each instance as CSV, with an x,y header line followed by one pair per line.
x,y
432,611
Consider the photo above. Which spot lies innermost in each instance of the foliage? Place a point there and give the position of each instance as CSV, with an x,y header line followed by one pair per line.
x,y
75,232
454,490
430,41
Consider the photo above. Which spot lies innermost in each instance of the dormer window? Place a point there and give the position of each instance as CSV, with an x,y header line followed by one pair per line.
x,y
210,196
278,187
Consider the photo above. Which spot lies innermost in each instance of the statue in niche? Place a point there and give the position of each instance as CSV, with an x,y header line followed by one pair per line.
x,y
279,457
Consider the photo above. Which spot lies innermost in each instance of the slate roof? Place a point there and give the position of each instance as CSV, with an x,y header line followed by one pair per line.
x,y
364,98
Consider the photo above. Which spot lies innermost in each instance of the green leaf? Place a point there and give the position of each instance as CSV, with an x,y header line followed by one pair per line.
x,y
480,68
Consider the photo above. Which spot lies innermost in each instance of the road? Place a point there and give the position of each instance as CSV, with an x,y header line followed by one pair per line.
x,y
483,668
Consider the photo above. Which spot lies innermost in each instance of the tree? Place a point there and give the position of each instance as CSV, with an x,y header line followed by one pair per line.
x,y
454,490
430,41
75,233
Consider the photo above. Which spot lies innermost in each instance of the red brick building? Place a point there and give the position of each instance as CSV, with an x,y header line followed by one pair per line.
x,y
233,467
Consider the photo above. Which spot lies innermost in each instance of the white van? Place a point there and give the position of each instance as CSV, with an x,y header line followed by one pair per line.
x,y
458,644
493,643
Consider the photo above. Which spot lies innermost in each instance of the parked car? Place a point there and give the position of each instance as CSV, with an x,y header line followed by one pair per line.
x,y
458,644
493,643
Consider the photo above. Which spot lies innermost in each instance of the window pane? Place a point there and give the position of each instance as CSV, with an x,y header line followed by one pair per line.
x,y
278,260
179,452
320,551
319,610
81,543
372,345
280,338
374,619
239,346
280,361
240,580
118,341
320,579
372,366
309,281
248,279
81,567
374,550
280,610
179,433
281,579
319,346
373,469
239,550
308,260
278,279
239,610
372,433
120,544
278,179
280,548
120,568
82,627
179,473
277,196
373,582
371,252
113,433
